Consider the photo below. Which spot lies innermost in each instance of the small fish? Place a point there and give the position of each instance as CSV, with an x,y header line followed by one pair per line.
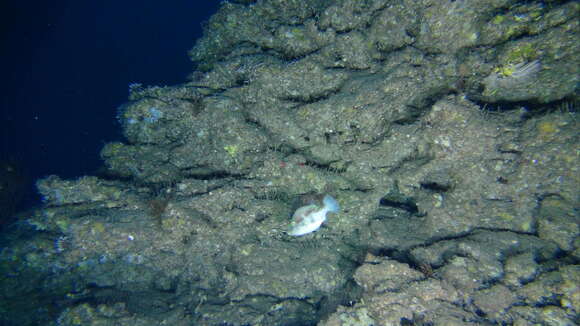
x,y
309,218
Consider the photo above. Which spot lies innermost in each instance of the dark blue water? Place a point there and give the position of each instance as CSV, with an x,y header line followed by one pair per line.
x,y
66,66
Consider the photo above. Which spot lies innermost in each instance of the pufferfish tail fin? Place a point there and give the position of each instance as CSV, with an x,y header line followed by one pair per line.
x,y
330,204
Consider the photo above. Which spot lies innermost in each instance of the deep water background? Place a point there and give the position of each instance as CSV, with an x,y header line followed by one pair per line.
x,y
66,66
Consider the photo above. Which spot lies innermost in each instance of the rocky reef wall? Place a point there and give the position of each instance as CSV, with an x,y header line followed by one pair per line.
x,y
446,130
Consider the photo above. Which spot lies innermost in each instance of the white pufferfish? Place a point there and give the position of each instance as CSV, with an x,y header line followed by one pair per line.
x,y
309,218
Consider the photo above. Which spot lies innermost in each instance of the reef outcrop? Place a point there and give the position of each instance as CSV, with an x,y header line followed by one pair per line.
x,y
446,131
